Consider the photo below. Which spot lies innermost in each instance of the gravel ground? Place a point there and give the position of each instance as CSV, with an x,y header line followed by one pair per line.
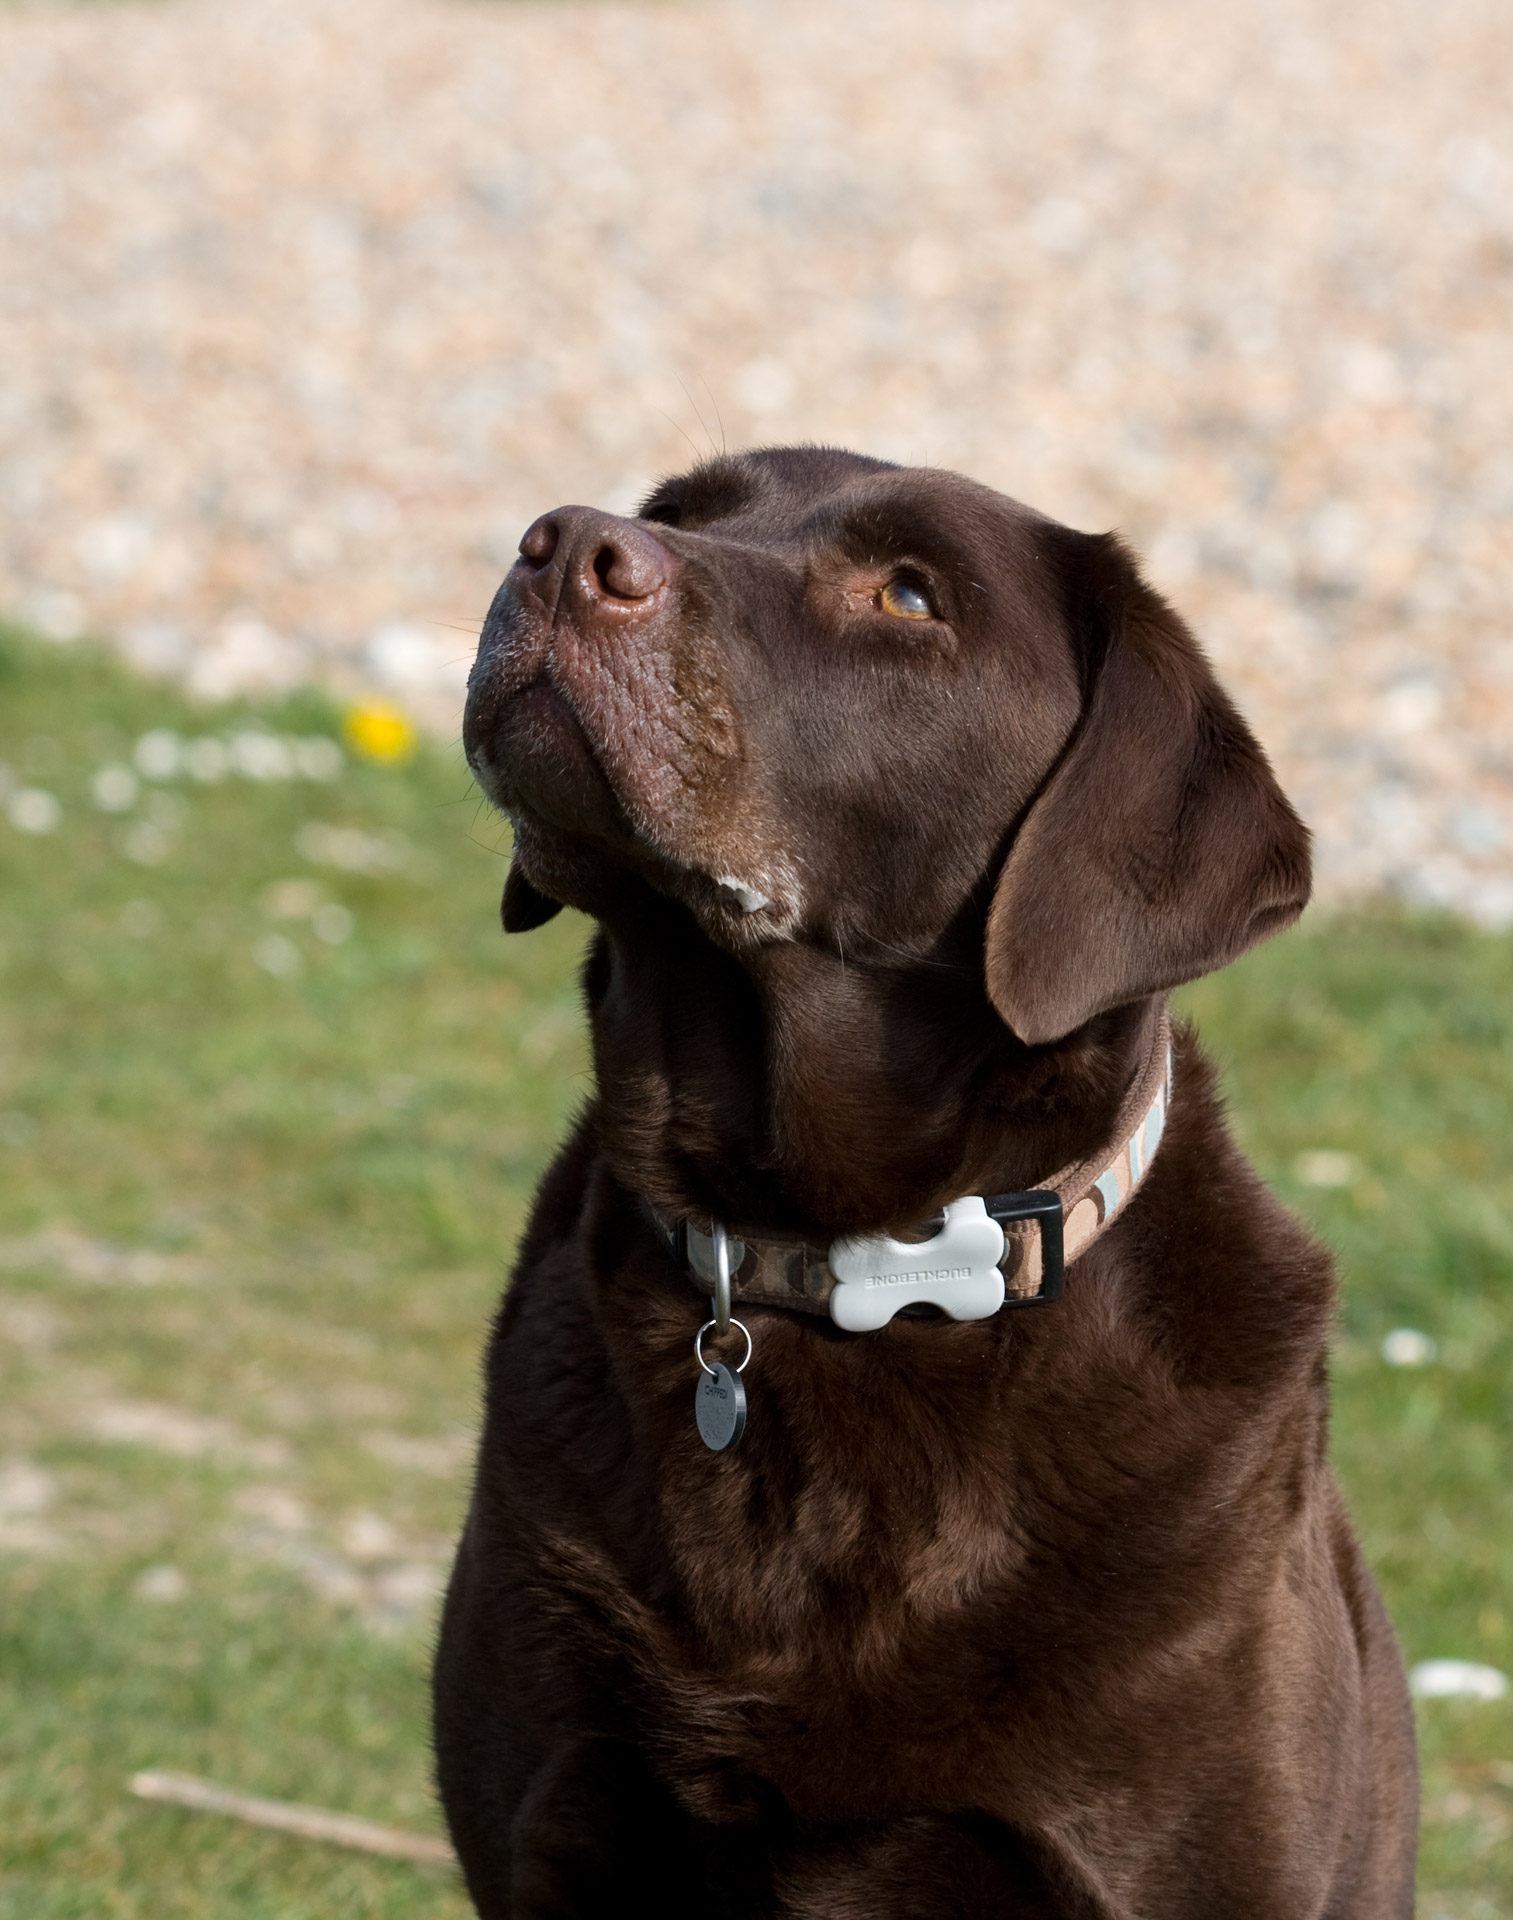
x,y
306,307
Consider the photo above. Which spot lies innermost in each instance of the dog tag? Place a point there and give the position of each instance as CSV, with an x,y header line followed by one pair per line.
x,y
957,1271
719,1406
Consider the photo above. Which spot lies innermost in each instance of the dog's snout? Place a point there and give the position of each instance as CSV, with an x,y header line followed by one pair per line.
x,y
594,563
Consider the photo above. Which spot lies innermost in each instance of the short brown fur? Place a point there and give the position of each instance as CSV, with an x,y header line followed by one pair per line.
x,y
1052,1614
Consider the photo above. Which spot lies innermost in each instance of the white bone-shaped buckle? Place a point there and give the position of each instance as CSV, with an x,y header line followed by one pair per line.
x,y
957,1271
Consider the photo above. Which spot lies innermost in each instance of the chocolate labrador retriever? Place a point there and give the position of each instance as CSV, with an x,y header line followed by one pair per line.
x,y
930,1583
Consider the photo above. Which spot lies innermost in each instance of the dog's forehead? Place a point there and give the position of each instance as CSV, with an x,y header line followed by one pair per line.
x,y
811,498
774,485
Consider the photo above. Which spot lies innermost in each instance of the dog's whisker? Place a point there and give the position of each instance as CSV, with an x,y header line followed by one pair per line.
x,y
919,959
692,445
698,415
719,417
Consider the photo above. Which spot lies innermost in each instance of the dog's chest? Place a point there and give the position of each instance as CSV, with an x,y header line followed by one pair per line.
x,y
854,1654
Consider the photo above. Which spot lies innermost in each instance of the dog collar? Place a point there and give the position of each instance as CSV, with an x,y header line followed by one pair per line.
x,y
1006,1249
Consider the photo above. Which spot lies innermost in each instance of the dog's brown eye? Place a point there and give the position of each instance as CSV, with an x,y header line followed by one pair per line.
x,y
906,599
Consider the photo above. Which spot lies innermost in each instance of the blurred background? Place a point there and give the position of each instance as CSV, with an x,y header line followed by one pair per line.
x,y
306,309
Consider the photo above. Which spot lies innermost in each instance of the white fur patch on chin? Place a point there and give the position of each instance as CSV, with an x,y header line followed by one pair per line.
x,y
751,901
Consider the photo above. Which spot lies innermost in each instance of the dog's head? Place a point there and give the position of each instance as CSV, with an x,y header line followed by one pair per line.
x,y
818,698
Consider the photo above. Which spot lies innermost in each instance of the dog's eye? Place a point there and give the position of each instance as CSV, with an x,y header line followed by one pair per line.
x,y
906,598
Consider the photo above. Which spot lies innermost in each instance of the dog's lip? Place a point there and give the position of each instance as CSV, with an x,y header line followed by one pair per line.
x,y
550,762
745,894
536,753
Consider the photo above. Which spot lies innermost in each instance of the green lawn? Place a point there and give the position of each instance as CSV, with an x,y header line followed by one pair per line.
x,y
273,1093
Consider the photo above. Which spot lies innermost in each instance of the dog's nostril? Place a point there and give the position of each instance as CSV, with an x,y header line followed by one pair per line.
x,y
630,565
539,541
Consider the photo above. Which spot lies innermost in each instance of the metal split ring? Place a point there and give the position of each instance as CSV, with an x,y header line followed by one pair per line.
x,y
698,1346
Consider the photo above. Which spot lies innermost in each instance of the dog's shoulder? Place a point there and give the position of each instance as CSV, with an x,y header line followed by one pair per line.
x,y
1246,1292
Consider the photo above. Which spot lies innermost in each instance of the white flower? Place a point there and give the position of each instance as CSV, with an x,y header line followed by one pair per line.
x,y
368,1536
1456,1680
1407,1347
332,923
207,760
279,956
56,615
318,758
160,1583
24,1487
159,754
261,755
1323,1167
115,788
350,848
145,843
401,655
34,810
293,899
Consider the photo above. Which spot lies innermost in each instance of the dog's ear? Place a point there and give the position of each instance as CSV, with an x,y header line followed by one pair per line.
x,y
522,906
1160,846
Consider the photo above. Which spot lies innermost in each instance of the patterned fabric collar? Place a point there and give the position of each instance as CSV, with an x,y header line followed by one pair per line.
x,y
993,1250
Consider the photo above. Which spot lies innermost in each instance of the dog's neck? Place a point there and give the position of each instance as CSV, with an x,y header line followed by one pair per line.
x,y
806,1094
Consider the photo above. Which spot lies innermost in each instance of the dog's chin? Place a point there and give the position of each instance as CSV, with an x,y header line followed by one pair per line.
x,y
532,757
578,841
609,880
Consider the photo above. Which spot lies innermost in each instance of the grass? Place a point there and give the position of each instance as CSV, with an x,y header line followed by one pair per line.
x,y
268,1125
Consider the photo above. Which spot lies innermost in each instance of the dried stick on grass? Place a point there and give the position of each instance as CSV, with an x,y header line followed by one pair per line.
x,y
312,1823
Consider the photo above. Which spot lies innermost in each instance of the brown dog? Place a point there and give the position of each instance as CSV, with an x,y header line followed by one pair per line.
x,y
900,808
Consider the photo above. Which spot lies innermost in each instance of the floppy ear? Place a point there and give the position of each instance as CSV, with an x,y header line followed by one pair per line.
x,y
1161,846
522,906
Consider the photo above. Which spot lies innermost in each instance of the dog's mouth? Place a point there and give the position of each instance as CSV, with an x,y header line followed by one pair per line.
x,y
530,754
597,708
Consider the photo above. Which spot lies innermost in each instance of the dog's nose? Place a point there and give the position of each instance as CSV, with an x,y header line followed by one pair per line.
x,y
595,562
539,541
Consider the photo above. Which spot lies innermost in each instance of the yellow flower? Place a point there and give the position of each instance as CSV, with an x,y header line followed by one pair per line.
x,y
379,732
